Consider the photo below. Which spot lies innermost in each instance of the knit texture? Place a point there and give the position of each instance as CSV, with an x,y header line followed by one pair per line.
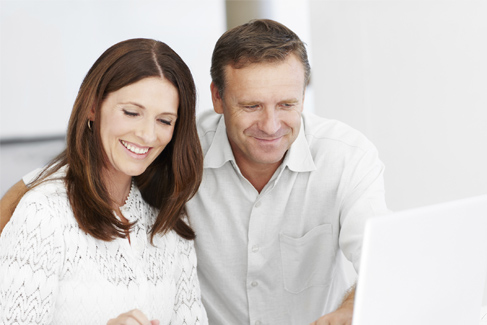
x,y
51,272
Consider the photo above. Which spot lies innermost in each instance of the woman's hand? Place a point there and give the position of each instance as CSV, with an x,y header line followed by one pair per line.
x,y
133,317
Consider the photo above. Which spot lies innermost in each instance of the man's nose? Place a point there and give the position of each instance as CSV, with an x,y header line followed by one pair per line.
x,y
269,122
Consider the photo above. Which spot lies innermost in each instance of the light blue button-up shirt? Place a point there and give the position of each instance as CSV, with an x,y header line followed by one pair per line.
x,y
273,257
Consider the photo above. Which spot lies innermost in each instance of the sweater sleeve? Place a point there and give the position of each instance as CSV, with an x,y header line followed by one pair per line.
x,y
30,262
188,308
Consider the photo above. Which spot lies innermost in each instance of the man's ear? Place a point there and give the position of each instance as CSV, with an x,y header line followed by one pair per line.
x,y
304,95
216,98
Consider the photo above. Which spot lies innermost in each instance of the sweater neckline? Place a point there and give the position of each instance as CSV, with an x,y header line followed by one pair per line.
x,y
129,209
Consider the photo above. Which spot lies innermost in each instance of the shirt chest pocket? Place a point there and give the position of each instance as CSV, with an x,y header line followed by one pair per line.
x,y
308,261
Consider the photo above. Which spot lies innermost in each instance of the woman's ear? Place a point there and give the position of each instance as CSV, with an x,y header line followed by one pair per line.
x,y
91,114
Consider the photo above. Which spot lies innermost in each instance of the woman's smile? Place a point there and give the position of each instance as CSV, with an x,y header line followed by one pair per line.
x,y
138,150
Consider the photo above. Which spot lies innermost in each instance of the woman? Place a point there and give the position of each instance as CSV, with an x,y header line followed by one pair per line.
x,y
101,231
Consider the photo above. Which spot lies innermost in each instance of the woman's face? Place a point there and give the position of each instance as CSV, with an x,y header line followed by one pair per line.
x,y
137,122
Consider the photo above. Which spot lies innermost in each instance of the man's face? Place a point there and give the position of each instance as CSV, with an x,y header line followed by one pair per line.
x,y
262,105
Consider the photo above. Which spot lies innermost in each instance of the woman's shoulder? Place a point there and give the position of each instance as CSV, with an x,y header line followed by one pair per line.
x,y
46,202
50,193
53,186
39,218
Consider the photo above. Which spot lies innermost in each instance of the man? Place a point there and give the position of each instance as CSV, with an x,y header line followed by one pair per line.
x,y
282,191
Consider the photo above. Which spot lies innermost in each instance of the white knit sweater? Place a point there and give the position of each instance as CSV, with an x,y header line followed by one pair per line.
x,y
51,272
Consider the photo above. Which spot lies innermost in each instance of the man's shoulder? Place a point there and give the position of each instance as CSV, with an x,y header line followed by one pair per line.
x,y
207,121
207,124
318,129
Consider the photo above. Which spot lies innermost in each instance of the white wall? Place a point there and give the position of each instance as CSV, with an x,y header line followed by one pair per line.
x,y
47,47
408,74
412,76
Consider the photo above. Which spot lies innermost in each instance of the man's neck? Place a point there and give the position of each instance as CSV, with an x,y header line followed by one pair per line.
x,y
258,175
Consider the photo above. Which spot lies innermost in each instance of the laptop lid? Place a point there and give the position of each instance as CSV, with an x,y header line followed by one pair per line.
x,y
424,266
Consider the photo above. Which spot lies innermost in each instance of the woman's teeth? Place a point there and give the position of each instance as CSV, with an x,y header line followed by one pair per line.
x,y
136,150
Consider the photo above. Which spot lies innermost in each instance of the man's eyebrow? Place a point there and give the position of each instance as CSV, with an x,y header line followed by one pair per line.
x,y
255,102
290,100
249,102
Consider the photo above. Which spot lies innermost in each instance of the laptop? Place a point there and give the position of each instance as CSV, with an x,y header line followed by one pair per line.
x,y
424,266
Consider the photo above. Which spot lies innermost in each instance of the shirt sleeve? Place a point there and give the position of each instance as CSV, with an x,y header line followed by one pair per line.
x,y
188,308
30,260
364,199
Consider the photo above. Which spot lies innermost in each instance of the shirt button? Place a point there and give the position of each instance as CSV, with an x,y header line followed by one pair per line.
x,y
254,284
258,204
255,248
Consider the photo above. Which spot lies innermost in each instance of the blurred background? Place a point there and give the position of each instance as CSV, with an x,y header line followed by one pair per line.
x,y
410,75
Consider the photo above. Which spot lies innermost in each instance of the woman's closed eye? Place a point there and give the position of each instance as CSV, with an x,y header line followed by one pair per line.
x,y
129,113
167,122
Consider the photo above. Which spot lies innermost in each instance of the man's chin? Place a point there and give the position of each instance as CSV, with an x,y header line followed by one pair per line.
x,y
269,158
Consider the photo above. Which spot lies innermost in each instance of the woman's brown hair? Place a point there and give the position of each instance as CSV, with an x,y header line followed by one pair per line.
x,y
172,178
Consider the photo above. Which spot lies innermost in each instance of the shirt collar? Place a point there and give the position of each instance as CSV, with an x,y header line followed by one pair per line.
x,y
220,151
298,157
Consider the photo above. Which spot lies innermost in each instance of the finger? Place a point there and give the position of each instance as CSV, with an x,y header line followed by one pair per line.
x,y
154,322
133,317
140,317
323,321
123,319
131,321
120,320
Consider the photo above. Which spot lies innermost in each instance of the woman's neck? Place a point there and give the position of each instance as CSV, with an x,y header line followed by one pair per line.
x,y
118,188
